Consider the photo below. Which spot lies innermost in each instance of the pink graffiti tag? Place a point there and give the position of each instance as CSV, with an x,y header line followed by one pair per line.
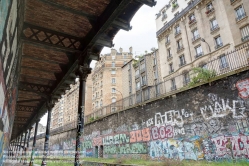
x,y
162,132
97,141
243,87
140,135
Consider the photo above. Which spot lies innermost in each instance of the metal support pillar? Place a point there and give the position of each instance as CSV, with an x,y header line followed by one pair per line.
x,y
50,106
29,138
20,144
82,72
25,149
31,163
16,143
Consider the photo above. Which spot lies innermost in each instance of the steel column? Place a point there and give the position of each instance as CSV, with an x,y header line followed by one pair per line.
x,y
24,148
82,72
50,105
20,144
29,137
31,163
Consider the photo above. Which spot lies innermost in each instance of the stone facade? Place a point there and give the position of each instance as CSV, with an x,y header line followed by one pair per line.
x,y
66,110
107,78
222,25
139,75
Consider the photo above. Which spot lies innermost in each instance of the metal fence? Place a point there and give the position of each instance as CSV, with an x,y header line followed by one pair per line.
x,y
225,63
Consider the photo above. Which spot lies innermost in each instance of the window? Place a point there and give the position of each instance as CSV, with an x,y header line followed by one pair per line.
x,y
173,84
223,62
195,35
124,56
186,78
113,80
137,85
100,103
182,60
138,97
218,42
113,90
171,68
137,72
169,53
113,72
177,30
130,89
142,65
179,44
113,109
101,93
155,74
213,24
209,6
113,100
113,57
143,80
176,14
113,64
154,61
245,33
167,39
191,18
164,15
198,51
240,13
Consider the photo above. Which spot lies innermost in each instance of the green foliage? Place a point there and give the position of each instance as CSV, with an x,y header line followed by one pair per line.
x,y
201,75
91,119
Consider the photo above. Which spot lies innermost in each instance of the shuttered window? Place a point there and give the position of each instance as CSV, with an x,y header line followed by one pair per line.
x,y
245,33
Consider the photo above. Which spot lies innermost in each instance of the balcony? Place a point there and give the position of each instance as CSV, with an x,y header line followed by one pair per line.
x,y
173,87
171,71
167,42
136,76
180,48
174,7
169,57
245,38
224,67
177,33
234,1
191,22
209,11
164,17
240,17
142,70
214,28
195,38
198,55
218,45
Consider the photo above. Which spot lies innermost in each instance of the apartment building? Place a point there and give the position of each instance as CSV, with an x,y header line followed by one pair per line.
x,y
202,31
107,78
139,75
65,110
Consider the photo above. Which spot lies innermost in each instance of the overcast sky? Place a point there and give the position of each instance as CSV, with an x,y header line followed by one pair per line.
x,y
142,36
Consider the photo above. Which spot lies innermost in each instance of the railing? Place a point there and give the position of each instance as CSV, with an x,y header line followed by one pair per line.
x,y
177,32
236,59
218,45
215,27
245,38
195,38
176,18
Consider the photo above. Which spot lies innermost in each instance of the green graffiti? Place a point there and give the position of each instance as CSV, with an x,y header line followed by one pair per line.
x,y
116,139
87,145
136,148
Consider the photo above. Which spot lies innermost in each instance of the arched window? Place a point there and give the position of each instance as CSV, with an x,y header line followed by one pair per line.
x,y
113,100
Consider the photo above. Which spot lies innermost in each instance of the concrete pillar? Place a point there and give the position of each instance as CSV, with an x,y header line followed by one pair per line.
x,y
50,106
82,72
31,163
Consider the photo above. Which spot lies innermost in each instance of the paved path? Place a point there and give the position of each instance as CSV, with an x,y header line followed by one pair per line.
x,y
15,163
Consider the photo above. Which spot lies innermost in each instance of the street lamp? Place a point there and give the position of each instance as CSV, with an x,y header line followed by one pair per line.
x,y
203,40
122,96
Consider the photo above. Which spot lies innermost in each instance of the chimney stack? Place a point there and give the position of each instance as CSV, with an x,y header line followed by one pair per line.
x,y
130,49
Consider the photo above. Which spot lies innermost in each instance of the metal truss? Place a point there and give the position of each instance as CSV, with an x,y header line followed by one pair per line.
x,y
50,37
23,108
